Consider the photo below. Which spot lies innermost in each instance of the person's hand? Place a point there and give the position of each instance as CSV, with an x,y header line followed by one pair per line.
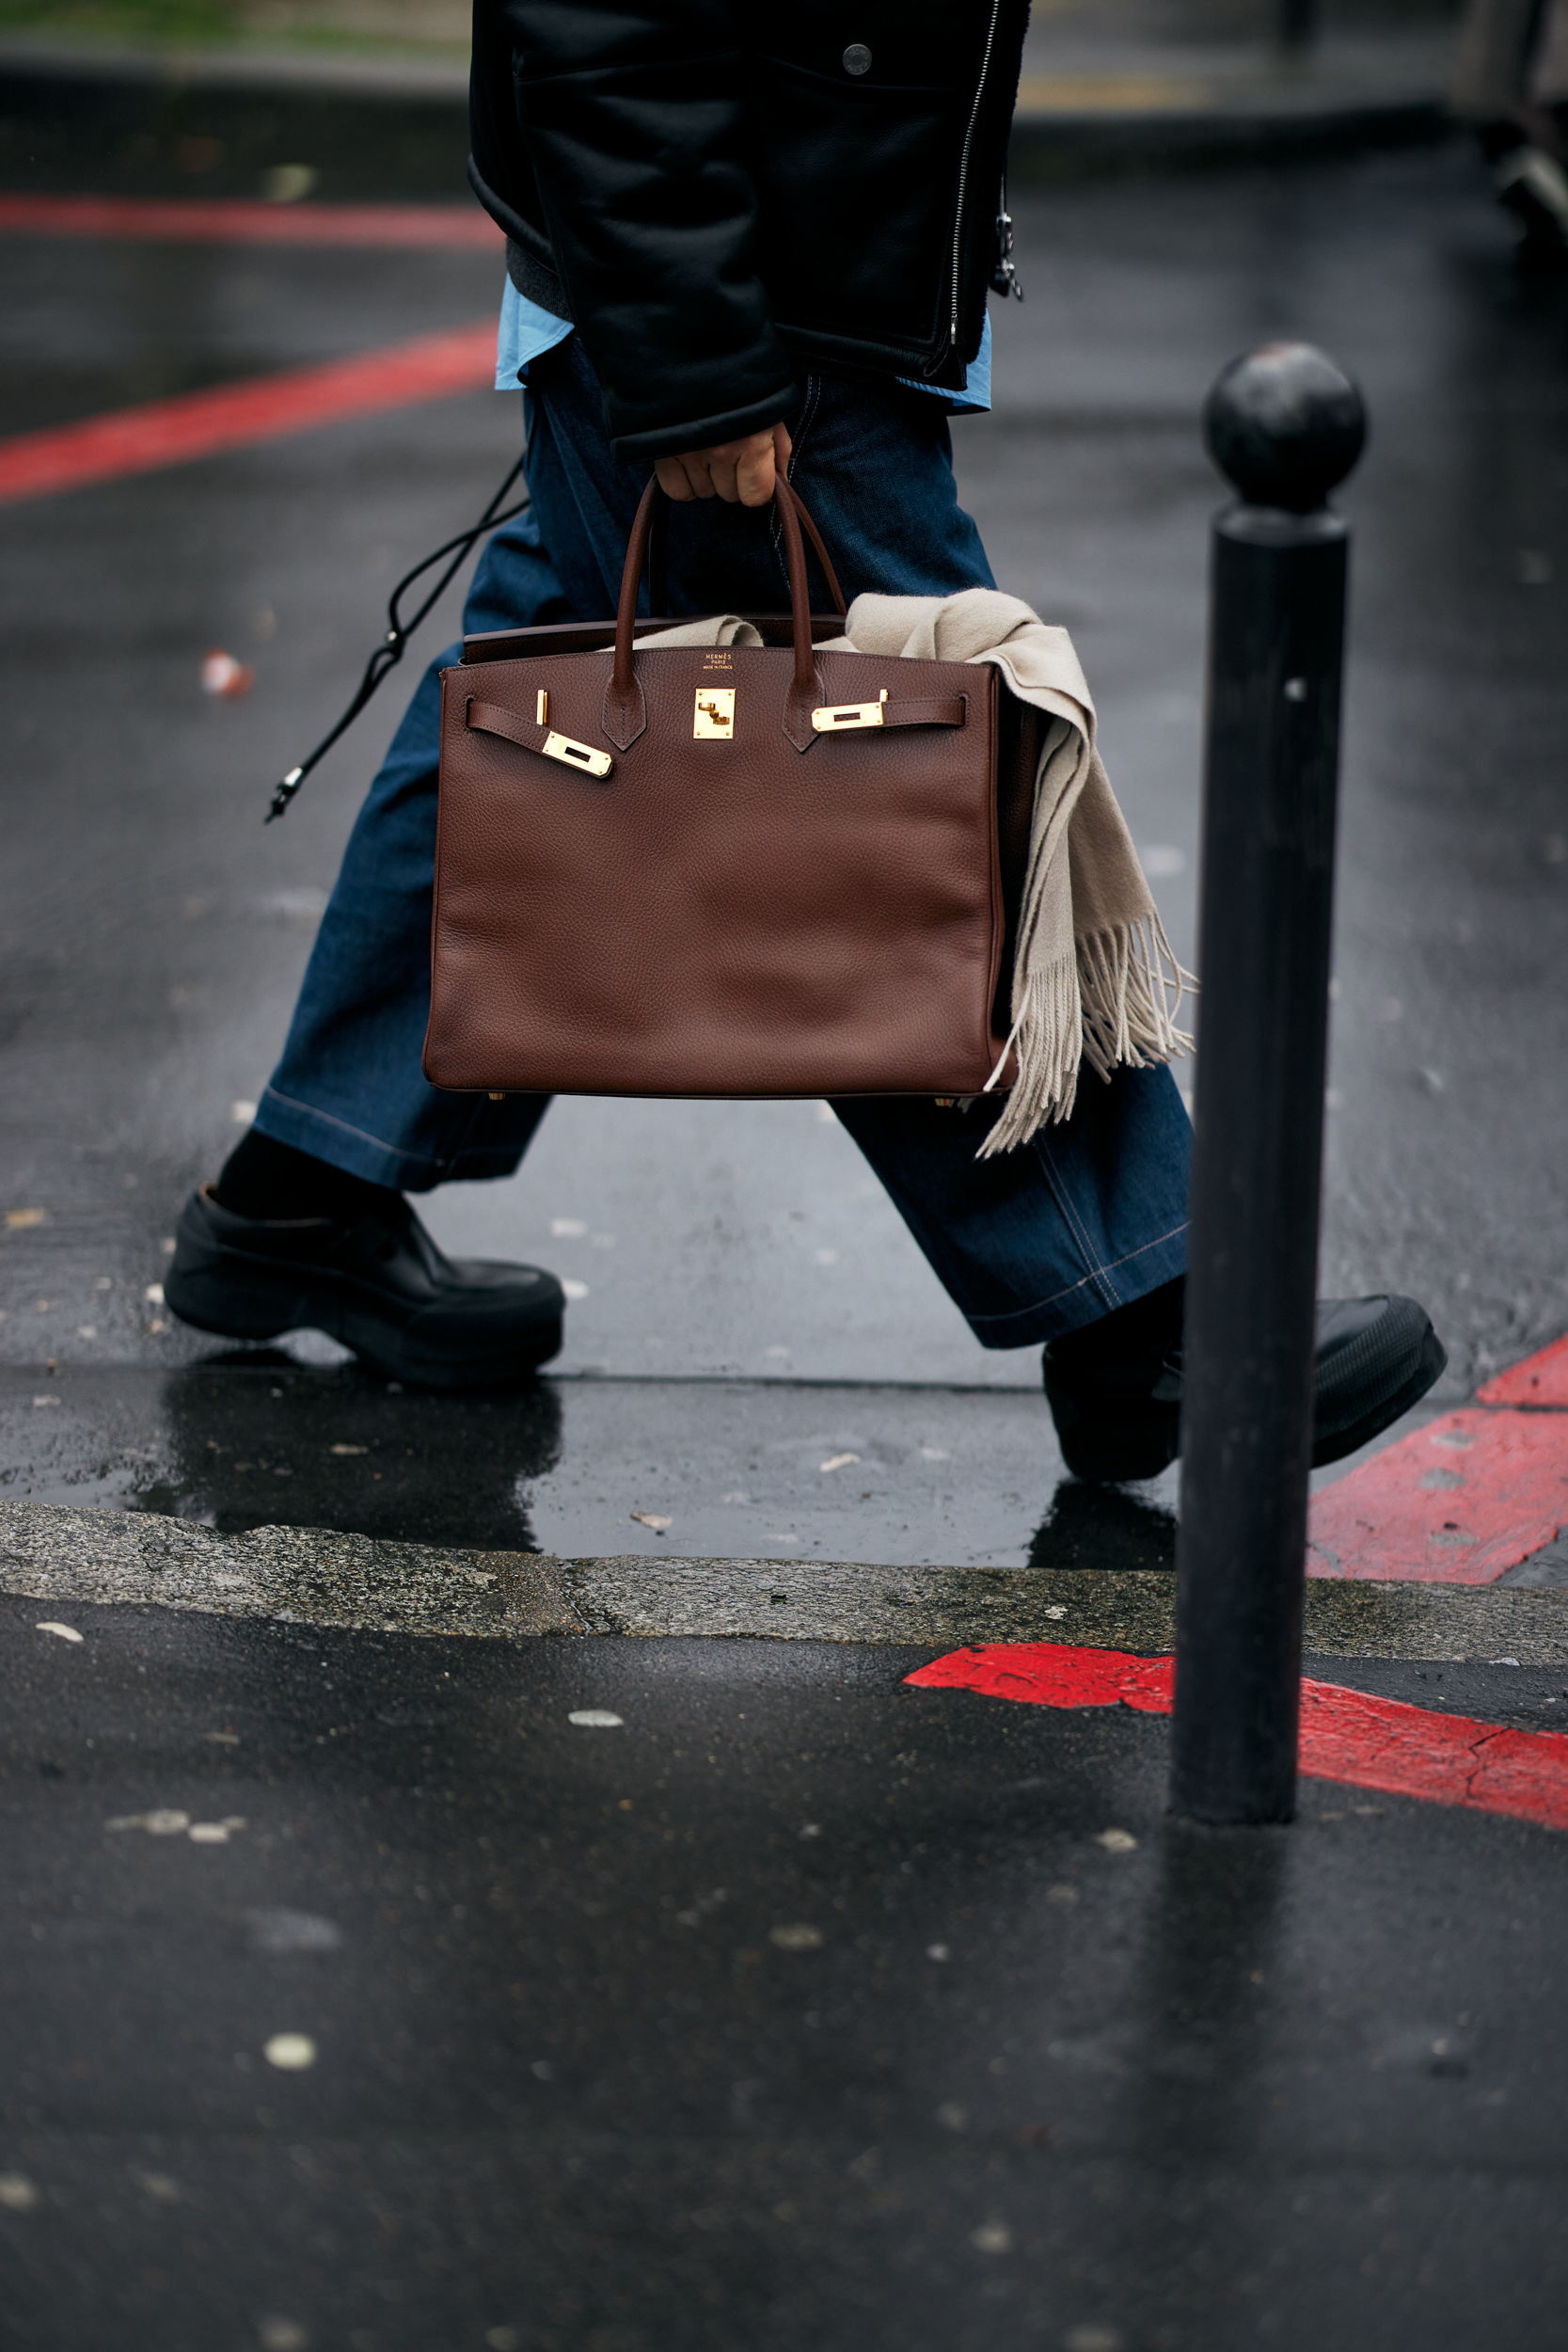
x,y
740,470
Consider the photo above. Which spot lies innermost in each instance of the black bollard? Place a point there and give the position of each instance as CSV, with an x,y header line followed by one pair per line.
x,y
1284,425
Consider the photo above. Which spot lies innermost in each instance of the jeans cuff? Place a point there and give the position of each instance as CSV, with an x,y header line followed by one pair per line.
x,y
1132,1277
325,1137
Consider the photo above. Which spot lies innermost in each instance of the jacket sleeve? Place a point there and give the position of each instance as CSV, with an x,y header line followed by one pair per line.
x,y
632,117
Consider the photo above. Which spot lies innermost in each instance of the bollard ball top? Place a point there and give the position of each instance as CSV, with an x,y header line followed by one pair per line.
x,y
1284,424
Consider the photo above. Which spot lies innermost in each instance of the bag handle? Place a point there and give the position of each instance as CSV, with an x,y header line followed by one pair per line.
x,y
624,712
659,542
658,557
835,592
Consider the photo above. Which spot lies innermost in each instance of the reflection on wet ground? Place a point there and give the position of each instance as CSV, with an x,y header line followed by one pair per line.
x,y
251,1438
1105,1527
251,1444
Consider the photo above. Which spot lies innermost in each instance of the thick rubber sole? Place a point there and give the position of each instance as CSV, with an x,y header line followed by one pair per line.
x,y
1112,1448
237,1301
1335,1445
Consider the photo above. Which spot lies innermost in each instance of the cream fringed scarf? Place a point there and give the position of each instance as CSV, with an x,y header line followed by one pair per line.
x,y
1094,976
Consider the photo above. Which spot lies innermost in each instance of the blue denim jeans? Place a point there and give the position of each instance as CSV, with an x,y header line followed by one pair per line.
x,y
1087,1216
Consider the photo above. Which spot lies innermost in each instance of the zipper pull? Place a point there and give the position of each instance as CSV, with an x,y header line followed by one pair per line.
x,y
1005,278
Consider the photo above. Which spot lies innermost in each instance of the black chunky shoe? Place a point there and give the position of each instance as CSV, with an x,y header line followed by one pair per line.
x,y
1121,1419
378,1283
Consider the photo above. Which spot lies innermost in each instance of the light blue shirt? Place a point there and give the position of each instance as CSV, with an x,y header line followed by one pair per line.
x,y
527,332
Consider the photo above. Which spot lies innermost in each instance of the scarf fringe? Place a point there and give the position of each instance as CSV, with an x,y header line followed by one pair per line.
x,y
1133,991
1114,1004
1048,1033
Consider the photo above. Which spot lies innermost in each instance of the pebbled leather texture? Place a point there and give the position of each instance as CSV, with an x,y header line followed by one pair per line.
x,y
785,913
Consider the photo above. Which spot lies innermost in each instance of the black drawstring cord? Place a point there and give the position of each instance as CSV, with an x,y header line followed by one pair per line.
x,y
391,650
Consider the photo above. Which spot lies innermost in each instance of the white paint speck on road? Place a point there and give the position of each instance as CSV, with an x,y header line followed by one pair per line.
x,y
291,2052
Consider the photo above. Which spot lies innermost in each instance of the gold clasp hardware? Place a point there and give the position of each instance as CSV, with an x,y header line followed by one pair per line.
x,y
714,721
572,755
835,718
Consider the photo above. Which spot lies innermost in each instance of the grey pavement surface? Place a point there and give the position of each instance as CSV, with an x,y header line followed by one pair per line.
x,y
787,2006
797,2008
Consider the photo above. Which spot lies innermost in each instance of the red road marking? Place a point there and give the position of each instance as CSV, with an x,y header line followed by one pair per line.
x,y
1457,1502
1539,1380
198,424
1346,1736
187,221
1050,1674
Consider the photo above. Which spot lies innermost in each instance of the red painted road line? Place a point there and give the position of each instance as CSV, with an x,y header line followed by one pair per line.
x,y
1047,1673
1539,1380
198,424
1346,1736
185,221
1457,1502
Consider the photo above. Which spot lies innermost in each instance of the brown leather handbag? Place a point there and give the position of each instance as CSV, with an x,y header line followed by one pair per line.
x,y
728,870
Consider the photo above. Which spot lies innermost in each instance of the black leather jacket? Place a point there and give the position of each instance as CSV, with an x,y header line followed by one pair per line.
x,y
722,196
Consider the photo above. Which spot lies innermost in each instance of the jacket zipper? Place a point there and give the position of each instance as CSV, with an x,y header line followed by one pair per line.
x,y
963,167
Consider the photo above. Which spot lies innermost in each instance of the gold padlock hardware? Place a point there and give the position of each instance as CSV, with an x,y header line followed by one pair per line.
x,y
838,718
714,721
574,755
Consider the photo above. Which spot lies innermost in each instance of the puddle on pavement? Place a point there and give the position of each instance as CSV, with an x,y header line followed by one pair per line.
x,y
696,1469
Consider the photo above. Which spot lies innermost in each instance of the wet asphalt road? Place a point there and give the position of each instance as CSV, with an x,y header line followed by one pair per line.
x,y
1296,2088
792,2008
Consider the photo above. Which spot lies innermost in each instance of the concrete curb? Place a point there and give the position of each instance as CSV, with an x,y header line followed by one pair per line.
x,y
316,1576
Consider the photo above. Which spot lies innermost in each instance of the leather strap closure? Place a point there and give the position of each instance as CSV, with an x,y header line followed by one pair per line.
x,y
856,718
952,711
495,719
